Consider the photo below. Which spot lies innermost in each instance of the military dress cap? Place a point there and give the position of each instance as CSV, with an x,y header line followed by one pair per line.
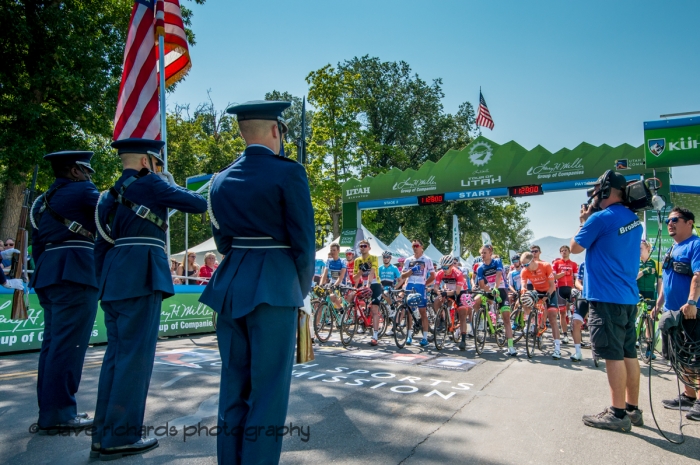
x,y
81,158
260,109
135,145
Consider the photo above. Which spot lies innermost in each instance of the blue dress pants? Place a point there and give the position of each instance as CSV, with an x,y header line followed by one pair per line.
x,y
257,354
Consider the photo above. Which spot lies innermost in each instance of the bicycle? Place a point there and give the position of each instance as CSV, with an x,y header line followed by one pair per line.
x,y
536,325
517,319
487,321
445,323
358,312
326,316
646,328
410,304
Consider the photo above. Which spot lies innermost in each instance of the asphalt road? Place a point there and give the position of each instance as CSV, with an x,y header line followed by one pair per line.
x,y
367,405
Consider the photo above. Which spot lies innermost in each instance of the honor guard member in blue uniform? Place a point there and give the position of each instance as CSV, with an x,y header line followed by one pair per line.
x,y
134,277
63,242
260,208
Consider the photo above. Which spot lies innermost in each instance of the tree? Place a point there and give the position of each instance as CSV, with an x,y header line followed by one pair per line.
x,y
60,77
336,131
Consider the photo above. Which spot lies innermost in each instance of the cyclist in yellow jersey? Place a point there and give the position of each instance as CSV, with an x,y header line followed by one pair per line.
x,y
366,270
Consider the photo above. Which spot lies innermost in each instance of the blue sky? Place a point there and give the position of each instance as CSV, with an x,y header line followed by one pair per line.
x,y
553,73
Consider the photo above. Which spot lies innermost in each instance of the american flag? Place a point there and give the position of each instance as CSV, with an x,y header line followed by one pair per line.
x,y
138,112
484,117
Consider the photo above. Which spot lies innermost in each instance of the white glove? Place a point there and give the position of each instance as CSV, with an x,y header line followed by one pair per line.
x,y
167,177
7,254
307,306
16,284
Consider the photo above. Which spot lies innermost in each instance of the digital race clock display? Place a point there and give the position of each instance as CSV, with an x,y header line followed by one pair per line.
x,y
433,199
524,191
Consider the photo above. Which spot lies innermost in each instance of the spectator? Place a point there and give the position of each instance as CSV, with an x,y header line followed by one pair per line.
x,y
174,265
648,277
611,233
681,283
208,268
7,262
192,269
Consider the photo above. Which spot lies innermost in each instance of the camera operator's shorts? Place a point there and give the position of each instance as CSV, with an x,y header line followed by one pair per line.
x,y
612,328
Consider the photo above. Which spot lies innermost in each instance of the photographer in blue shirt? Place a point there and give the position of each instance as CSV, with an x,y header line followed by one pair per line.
x,y
681,286
611,233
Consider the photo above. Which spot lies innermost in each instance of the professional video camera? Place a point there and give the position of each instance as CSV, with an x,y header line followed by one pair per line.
x,y
637,195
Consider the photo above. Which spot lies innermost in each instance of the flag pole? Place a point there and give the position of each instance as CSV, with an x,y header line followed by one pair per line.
x,y
163,128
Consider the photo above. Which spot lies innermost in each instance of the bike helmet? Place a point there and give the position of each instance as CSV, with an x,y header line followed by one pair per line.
x,y
466,300
364,293
414,300
386,254
529,299
401,259
446,261
349,251
575,293
456,261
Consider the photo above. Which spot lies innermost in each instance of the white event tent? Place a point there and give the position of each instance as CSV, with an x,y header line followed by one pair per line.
x,y
401,246
433,253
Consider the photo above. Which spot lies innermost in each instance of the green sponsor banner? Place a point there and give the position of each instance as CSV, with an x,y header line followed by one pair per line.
x,y
180,314
674,142
347,238
484,164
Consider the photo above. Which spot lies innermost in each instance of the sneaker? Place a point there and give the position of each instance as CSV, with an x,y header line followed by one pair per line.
x,y
470,334
683,402
565,340
462,345
389,333
651,355
512,352
457,333
424,342
636,417
607,420
409,340
694,413
576,358
513,326
586,345
556,355
431,338
373,342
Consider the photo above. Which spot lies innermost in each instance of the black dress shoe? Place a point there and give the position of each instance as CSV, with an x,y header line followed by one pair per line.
x,y
82,415
76,424
95,450
139,447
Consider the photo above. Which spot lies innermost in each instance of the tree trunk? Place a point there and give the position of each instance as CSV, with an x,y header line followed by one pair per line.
x,y
14,196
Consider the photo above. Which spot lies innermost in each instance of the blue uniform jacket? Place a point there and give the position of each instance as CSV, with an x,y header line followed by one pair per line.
x,y
74,201
262,195
139,270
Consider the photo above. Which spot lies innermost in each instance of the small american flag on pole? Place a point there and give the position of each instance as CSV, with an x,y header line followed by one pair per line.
x,y
138,113
484,117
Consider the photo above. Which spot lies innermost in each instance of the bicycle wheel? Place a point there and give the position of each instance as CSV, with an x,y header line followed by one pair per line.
x,y
383,319
481,330
348,325
442,321
531,333
401,326
500,332
518,325
323,322
455,325
646,350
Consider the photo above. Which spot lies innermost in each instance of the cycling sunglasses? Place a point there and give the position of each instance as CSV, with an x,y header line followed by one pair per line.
x,y
446,267
527,264
415,246
364,246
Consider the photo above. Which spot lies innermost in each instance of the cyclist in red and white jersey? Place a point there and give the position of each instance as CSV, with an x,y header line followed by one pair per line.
x,y
564,272
451,283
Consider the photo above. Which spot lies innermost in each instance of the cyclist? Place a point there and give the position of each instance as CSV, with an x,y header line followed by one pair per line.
x,y
648,280
580,313
513,281
489,275
350,262
366,270
535,251
477,261
542,278
419,273
564,272
335,272
401,260
388,273
454,286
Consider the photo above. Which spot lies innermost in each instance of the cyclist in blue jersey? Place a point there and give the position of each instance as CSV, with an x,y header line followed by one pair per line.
x,y
388,273
489,276
419,273
335,272
513,281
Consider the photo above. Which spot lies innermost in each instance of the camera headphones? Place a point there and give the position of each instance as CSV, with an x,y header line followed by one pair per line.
x,y
605,188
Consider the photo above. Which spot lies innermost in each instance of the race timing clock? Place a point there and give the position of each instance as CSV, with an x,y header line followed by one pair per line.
x,y
525,191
